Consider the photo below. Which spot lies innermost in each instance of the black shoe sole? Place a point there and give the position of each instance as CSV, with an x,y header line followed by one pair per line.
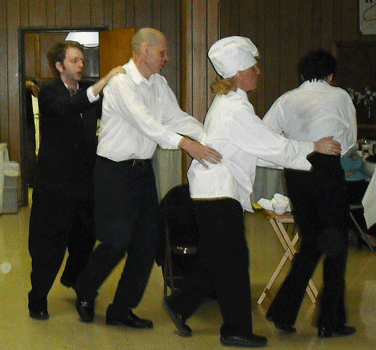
x,y
115,322
39,315
284,327
242,343
67,283
83,313
184,330
327,333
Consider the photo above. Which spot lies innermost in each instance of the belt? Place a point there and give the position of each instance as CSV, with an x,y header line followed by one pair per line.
x,y
137,162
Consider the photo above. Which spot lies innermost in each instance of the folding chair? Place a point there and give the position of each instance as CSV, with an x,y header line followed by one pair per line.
x,y
362,234
280,224
180,236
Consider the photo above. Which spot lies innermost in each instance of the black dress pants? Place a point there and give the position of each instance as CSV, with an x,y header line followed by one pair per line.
x,y
126,218
223,263
320,210
58,221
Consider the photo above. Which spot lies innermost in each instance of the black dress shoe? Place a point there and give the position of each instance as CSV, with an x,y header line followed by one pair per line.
x,y
41,314
85,309
283,326
67,283
250,341
179,322
129,320
325,332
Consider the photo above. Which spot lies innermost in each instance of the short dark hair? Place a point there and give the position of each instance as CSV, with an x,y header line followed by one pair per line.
x,y
317,64
57,52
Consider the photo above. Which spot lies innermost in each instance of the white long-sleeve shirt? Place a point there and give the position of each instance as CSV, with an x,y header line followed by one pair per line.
x,y
240,136
140,113
312,111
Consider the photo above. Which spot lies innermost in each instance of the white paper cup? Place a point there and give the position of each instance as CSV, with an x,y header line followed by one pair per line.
x,y
280,208
366,150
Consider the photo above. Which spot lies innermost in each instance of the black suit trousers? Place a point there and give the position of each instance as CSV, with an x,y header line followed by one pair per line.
x,y
58,221
223,263
126,219
321,212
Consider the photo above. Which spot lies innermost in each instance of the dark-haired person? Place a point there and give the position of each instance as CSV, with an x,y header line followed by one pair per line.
x,y
314,110
62,206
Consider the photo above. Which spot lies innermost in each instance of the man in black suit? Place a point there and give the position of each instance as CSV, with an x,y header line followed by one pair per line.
x,y
62,209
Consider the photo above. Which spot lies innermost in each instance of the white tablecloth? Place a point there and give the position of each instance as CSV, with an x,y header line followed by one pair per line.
x,y
268,181
369,202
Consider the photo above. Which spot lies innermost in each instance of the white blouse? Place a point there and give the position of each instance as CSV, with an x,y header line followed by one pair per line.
x,y
315,110
244,141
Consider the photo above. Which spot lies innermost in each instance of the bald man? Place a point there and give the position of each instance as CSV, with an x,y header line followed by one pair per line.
x,y
139,112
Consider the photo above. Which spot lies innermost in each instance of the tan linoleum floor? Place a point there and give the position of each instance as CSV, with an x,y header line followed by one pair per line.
x,y
64,330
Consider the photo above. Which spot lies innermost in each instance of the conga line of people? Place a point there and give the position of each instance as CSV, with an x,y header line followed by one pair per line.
x,y
88,190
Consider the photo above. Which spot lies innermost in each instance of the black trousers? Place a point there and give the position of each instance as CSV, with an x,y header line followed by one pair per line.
x,y
58,221
223,262
126,219
356,190
321,212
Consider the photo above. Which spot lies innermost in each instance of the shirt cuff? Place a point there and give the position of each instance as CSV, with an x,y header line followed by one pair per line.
x,y
91,96
177,140
312,146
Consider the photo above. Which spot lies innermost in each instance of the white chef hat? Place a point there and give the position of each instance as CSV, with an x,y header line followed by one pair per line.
x,y
229,55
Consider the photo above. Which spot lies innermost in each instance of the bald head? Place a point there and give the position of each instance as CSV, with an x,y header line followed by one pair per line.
x,y
150,51
150,36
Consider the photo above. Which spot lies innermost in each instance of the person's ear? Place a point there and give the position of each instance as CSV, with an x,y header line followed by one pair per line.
x,y
144,49
59,66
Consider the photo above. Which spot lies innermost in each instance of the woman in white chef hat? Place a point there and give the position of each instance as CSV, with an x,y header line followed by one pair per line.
x,y
222,192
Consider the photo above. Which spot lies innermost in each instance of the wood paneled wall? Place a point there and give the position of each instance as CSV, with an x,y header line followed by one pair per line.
x,y
282,29
200,29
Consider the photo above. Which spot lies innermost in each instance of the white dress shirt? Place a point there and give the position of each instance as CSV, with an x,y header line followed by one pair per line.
x,y
240,136
312,111
140,113
90,95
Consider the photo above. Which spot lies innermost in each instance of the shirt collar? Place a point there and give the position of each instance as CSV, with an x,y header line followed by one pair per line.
x,y
137,77
315,82
242,93
77,87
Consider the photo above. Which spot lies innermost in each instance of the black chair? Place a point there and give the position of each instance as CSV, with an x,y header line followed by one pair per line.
x,y
180,236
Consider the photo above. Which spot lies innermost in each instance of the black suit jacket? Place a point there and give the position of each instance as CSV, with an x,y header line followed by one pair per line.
x,y
67,138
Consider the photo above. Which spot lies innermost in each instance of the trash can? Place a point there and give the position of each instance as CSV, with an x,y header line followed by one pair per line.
x,y
11,184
